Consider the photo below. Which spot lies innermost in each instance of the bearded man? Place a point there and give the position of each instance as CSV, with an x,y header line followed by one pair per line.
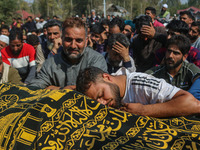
x,y
61,70
176,70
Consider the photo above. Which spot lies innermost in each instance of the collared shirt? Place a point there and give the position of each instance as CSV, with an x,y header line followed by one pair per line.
x,y
183,79
58,72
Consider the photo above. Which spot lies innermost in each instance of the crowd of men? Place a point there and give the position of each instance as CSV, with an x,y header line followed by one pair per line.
x,y
140,66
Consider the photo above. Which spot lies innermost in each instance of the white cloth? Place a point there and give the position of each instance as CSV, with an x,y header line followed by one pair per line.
x,y
196,44
4,78
146,89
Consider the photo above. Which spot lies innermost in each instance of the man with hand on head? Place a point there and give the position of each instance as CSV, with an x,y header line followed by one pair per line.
x,y
117,54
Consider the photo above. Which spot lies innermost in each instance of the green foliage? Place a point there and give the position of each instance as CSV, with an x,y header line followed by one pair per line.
x,y
7,8
65,8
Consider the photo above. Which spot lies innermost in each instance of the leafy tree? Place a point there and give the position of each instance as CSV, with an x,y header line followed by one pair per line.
x,y
7,8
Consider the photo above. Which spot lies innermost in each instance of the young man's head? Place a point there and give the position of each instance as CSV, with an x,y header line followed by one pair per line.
x,y
16,41
150,11
187,17
114,57
139,22
194,32
176,27
129,28
105,23
116,26
178,47
96,33
98,85
74,38
5,30
54,30
33,40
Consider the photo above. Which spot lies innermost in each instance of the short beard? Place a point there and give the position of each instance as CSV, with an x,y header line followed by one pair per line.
x,y
113,63
175,65
72,56
193,38
116,93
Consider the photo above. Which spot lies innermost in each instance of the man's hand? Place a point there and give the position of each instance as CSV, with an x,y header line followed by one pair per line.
x,y
71,87
90,41
122,51
149,31
56,44
52,87
103,37
134,108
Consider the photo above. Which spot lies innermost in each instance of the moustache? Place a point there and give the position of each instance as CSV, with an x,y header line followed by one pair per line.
x,y
72,49
169,59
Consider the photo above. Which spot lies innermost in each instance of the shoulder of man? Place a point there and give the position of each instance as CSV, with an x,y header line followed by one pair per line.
x,y
156,70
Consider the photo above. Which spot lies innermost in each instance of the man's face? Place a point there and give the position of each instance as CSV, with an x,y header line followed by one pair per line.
x,y
74,42
95,38
5,32
106,28
173,57
114,58
149,13
127,31
16,46
93,13
186,19
114,30
2,45
105,93
53,33
193,33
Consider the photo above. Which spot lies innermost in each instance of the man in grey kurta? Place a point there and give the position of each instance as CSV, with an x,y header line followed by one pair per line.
x,y
61,70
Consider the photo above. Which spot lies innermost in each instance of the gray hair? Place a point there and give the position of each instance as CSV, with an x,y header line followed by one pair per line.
x,y
119,37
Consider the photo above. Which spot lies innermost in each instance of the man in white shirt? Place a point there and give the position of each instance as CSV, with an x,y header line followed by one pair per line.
x,y
142,94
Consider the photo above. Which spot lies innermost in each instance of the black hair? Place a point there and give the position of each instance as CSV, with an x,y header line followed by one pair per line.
x,y
41,17
119,37
86,76
178,26
188,13
16,34
53,22
181,41
32,39
196,23
153,10
142,20
119,22
5,27
97,28
105,22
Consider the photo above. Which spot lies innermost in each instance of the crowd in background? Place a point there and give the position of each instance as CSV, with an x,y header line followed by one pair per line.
x,y
50,53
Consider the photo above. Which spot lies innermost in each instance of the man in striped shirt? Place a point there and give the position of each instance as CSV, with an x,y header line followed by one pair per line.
x,y
141,94
20,55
